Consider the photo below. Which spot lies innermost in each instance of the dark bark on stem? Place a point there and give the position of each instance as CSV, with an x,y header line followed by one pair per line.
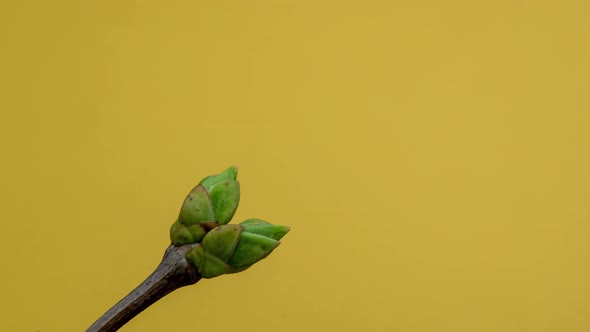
x,y
173,272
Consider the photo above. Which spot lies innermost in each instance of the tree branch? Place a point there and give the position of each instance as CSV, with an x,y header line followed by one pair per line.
x,y
173,272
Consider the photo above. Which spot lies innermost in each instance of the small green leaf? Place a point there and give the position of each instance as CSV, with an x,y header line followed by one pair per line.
x,y
222,241
179,234
214,267
197,257
251,249
229,174
261,227
197,207
225,197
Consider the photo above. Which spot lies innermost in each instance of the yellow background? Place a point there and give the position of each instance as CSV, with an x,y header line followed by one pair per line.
x,y
432,158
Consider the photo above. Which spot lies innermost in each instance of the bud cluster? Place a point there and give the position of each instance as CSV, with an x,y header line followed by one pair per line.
x,y
222,248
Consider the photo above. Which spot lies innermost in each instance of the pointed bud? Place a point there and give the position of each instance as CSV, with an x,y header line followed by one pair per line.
x,y
234,248
211,203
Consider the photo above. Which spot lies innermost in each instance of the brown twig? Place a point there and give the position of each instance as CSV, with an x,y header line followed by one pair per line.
x,y
173,272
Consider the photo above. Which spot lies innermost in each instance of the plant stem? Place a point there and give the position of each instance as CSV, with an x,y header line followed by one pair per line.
x,y
173,272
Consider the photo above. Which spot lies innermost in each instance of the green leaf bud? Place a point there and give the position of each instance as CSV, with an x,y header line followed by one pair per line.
x,y
211,203
234,248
